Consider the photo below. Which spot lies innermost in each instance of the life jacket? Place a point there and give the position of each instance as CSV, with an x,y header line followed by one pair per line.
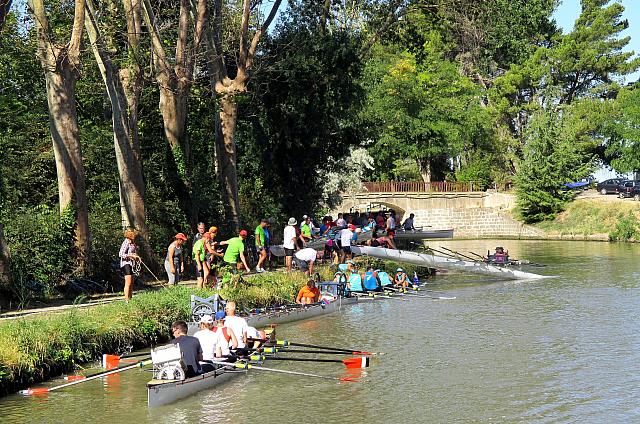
x,y
384,279
370,281
355,281
225,333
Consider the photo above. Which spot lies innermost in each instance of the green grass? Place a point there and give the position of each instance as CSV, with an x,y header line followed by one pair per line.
x,y
591,216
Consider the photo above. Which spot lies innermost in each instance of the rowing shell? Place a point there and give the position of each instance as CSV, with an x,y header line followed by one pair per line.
x,y
162,392
433,261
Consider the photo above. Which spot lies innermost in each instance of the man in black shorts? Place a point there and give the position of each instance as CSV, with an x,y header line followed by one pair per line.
x,y
189,347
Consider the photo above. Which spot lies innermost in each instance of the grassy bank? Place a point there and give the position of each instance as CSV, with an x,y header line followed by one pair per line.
x,y
618,220
33,349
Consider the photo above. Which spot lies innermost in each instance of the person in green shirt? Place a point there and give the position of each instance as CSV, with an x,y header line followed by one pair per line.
x,y
305,229
260,244
199,254
234,256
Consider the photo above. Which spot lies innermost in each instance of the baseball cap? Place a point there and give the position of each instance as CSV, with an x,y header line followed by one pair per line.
x,y
181,236
243,233
206,319
220,315
304,217
399,270
352,227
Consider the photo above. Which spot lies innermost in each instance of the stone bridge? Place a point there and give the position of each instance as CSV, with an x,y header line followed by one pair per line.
x,y
470,213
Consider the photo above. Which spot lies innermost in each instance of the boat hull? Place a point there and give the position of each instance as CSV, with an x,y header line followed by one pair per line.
x,y
162,393
434,261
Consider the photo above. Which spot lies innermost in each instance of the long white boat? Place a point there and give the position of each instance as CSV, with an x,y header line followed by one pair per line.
x,y
162,392
434,261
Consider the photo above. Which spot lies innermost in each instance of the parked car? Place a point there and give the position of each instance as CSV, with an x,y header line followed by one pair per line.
x,y
626,188
609,186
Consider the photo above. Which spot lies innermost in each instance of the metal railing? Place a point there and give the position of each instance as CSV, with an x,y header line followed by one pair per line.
x,y
419,186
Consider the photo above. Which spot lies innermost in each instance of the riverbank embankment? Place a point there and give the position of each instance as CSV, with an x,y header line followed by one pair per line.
x,y
40,346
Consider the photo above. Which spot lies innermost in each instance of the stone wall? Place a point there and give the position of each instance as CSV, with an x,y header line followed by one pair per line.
x,y
472,214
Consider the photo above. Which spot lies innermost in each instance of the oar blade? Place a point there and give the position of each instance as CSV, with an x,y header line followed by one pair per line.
x,y
34,392
361,362
349,379
110,362
74,377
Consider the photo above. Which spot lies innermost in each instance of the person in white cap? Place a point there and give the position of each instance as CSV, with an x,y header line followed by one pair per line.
x,y
210,340
289,242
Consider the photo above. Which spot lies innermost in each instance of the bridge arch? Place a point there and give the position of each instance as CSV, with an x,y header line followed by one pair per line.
x,y
352,206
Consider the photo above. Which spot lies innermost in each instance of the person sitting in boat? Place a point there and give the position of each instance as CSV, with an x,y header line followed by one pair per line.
x,y
354,284
500,256
401,279
384,279
190,348
255,337
305,258
370,279
308,294
237,324
229,338
211,342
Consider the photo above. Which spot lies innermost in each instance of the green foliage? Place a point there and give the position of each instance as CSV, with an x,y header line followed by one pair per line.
x,y
420,107
551,158
623,148
42,242
626,229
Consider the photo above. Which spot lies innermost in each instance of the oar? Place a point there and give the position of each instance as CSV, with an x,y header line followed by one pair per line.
x,y
245,366
337,349
42,390
480,256
459,254
423,296
361,362
315,352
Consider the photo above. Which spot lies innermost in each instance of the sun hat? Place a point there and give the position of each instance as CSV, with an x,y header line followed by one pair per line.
x,y
243,233
220,315
181,236
292,221
206,319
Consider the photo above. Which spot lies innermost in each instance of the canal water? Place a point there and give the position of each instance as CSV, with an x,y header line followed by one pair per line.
x,y
562,349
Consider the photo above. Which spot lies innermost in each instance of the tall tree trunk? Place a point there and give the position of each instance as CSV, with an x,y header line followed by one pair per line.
x,y
227,160
5,5
5,260
424,167
61,64
173,107
61,80
123,87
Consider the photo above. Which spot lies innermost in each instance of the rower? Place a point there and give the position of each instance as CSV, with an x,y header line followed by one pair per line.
x,y
401,279
256,336
229,338
500,256
190,348
370,279
308,294
385,280
237,324
355,284
210,341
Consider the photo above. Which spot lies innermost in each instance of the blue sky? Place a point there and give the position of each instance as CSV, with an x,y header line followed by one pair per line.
x,y
569,10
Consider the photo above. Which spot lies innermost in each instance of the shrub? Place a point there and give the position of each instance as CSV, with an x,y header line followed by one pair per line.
x,y
626,229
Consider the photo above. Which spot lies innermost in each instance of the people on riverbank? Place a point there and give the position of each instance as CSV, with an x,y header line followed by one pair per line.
x,y
190,348
408,223
308,294
383,241
234,256
200,233
289,242
199,256
214,255
174,261
261,243
305,258
128,258
346,236
305,230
